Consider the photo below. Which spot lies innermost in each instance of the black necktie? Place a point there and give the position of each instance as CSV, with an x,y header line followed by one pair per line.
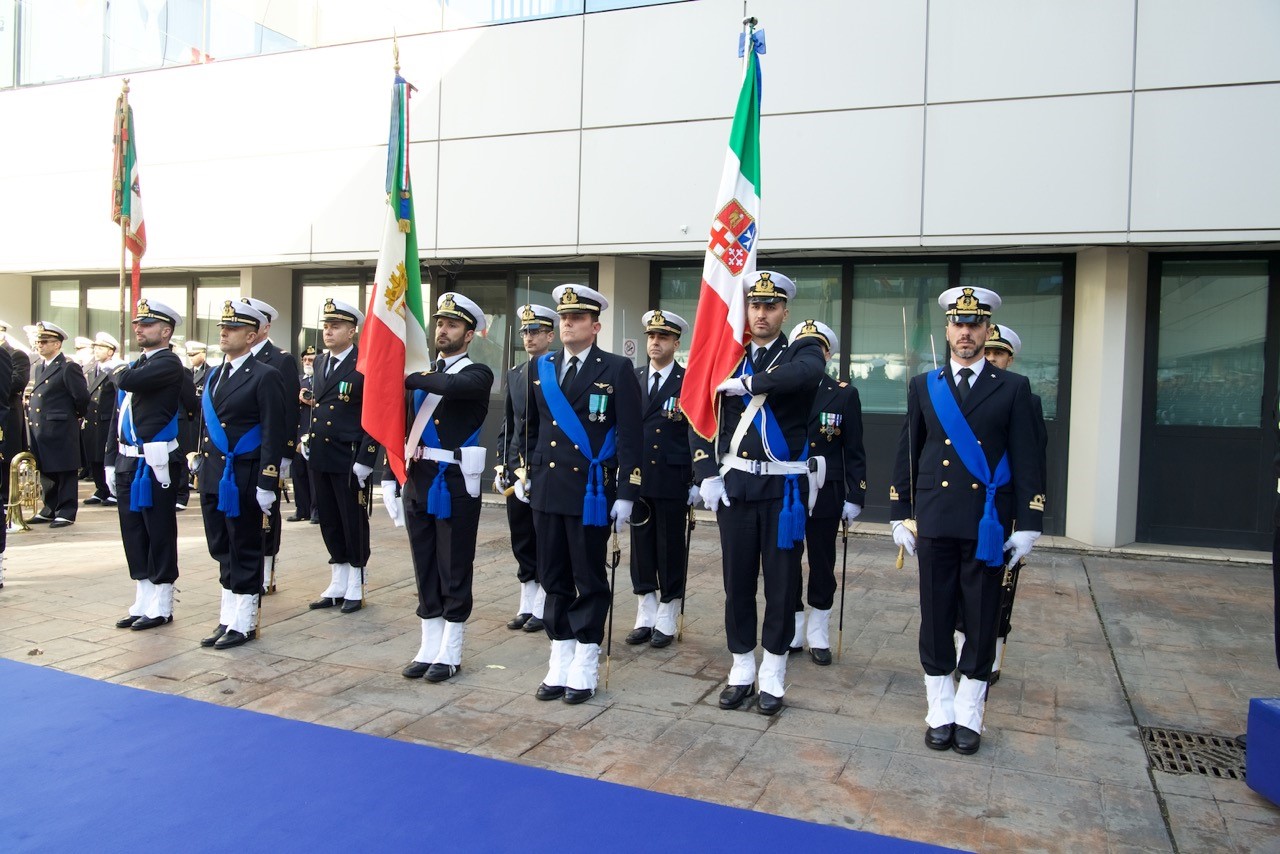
x,y
962,386
226,374
762,360
439,366
570,375
657,381
328,367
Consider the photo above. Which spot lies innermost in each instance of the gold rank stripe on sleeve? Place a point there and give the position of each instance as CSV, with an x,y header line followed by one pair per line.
x,y
893,493
1037,502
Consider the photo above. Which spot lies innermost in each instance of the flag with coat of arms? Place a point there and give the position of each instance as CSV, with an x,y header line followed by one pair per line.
x,y
719,328
126,189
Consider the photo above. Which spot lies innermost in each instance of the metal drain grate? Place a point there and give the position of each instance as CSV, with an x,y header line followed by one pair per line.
x,y
1179,752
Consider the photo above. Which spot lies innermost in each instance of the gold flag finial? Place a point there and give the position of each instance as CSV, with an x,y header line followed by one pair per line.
x,y
395,50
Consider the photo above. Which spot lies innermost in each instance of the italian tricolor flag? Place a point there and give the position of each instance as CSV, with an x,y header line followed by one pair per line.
x,y
719,328
126,190
394,342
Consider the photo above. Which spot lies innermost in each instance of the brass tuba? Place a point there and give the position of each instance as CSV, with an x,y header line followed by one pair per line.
x,y
25,492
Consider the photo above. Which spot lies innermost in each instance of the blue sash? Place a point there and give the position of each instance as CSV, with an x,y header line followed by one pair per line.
x,y
140,491
228,492
439,502
791,520
990,533
594,511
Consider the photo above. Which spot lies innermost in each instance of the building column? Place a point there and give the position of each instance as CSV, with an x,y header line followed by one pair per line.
x,y
1106,399
273,285
625,284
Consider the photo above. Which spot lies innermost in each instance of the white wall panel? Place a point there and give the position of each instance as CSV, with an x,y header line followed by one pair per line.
x,y
515,79
640,185
833,54
1197,43
1013,48
662,63
1206,158
509,191
851,173
1045,165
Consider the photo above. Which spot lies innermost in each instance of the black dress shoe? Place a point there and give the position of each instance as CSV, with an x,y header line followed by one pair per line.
x,y
296,518
127,622
768,704
733,696
574,696
232,638
325,602
315,520
994,677
40,519
939,737
820,657
660,639
795,650
350,606
518,621
440,672
213,638
60,523
150,623
535,624
549,692
966,741
639,636
416,670
92,500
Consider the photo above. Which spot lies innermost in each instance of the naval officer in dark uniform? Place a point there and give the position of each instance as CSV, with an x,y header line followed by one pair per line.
x,y
584,477
835,433
445,409
968,475
303,490
537,333
341,460
658,557
59,397
9,443
267,353
244,428
145,463
760,487
96,433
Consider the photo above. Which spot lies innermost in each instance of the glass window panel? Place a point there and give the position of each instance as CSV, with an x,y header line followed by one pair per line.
x,y
489,347
58,302
61,40
1031,304
536,287
8,41
102,309
609,5
467,13
1209,367
876,347
678,289
254,27
212,292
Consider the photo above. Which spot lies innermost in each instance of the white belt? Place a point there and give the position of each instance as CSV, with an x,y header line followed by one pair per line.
x,y
440,455
762,466
131,451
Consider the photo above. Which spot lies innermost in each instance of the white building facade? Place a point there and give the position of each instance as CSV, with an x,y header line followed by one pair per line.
x,y
1108,166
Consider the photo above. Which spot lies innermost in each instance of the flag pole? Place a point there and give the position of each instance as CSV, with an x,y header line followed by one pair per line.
x,y
123,188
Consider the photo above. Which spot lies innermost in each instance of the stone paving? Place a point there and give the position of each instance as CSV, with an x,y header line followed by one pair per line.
x,y
1101,644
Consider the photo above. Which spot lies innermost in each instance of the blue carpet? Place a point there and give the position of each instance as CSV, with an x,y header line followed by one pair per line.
x,y
92,766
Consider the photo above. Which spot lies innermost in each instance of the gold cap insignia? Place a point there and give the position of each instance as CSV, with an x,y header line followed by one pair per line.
x,y
967,303
40,326
764,284
527,315
569,297
228,311
447,303
329,307
658,318
143,307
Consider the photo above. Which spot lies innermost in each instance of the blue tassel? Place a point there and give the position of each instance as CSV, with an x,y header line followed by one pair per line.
x,y
787,524
228,496
140,494
594,512
439,502
799,514
990,538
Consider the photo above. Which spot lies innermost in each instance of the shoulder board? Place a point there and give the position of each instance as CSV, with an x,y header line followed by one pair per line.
x,y
844,384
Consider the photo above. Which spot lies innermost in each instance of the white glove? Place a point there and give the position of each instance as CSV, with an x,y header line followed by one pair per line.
x,y
286,466
1021,543
362,472
712,493
110,472
621,513
734,386
498,486
265,499
695,495
522,490
851,511
305,449
903,537
393,502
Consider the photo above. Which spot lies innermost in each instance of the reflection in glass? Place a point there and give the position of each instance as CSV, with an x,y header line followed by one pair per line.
x,y
58,302
212,293
1031,294
1210,363
316,290
877,347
